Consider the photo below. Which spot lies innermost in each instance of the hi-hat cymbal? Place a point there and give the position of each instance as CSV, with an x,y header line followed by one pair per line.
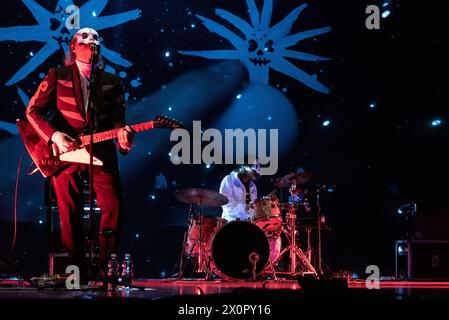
x,y
201,197
297,178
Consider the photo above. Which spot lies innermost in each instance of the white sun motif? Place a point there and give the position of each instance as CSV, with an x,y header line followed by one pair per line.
x,y
51,29
264,47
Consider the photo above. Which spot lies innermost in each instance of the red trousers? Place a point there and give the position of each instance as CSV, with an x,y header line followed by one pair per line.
x,y
68,186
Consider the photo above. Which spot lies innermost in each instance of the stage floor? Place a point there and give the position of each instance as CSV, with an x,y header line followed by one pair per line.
x,y
157,289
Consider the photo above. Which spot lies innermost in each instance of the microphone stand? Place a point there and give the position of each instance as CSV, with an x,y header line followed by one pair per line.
x,y
92,108
319,216
318,212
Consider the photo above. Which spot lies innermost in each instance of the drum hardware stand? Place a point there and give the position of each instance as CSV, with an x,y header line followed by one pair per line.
x,y
271,270
183,253
292,248
320,269
203,261
319,219
309,243
254,258
180,273
200,261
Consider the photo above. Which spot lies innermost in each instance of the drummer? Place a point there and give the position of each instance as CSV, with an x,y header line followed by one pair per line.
x,y
240,189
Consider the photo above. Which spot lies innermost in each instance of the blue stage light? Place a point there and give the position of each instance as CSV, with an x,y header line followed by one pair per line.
x,y
437,122
386,4
167,54
386,13
373,105
402,250
326,123
207,166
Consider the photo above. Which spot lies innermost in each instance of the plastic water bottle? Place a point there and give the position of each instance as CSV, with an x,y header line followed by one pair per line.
x,y
127,270
113,270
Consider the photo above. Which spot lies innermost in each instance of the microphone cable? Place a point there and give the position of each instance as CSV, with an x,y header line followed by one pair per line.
x,y
16,195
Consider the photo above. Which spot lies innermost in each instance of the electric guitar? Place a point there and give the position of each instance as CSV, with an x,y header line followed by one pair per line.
x,y
49,160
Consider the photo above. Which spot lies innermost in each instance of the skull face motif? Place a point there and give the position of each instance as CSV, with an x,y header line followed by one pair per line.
x,y
260,49
87,36
265,46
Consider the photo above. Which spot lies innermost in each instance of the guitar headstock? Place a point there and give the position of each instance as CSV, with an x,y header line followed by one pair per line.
x,y
163,121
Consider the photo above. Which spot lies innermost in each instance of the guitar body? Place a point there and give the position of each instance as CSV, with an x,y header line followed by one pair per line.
x,y
49,161
40,152
80,156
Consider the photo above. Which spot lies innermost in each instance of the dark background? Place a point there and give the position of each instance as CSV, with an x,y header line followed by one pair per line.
x,y
378,158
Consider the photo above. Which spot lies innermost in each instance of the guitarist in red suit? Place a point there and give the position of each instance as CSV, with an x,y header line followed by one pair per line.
x,y
59,113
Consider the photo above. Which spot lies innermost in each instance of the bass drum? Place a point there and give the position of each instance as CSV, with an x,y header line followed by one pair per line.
x,y
237,248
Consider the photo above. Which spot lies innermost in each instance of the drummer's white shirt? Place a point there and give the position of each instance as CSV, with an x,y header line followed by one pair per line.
x,y
233,188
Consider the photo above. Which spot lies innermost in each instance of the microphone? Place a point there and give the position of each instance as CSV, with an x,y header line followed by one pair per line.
x,y
94,48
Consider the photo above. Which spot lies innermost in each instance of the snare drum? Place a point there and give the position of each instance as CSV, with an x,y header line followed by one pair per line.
x,y
265,213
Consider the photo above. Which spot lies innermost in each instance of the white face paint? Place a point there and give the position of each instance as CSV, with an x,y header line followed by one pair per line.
x,y
86,36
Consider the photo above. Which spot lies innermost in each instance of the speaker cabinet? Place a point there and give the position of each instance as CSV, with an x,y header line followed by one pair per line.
x,y
422,259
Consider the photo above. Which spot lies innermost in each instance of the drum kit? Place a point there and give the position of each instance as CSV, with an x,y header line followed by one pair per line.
x,y
240,250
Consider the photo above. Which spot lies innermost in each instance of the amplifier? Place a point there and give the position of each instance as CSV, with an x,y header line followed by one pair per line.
x,y
422,259
431,226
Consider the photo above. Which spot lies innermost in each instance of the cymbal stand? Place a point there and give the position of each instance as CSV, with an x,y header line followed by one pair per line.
x,y
309,243
293,249
318,212
184,242
201,261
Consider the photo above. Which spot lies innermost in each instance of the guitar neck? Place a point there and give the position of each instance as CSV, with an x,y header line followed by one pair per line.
x,y
112,134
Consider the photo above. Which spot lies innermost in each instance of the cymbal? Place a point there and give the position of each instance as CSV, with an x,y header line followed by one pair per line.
x,y
298,178
201,197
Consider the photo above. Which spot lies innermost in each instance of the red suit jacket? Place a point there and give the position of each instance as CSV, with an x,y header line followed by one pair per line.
x,y
57,105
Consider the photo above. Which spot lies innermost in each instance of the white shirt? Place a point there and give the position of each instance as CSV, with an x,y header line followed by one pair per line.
x,y
232,187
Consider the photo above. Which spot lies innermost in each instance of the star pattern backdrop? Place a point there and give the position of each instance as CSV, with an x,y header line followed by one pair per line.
x,y
370,119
